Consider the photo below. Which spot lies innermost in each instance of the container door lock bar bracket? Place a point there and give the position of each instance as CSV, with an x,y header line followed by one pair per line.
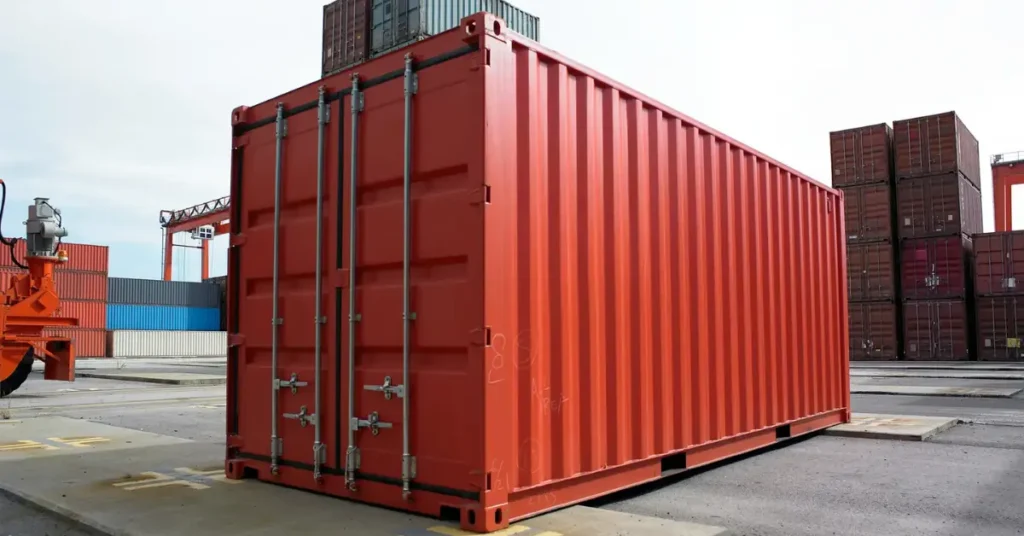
x,y
372,422
303,417
293,383
387,388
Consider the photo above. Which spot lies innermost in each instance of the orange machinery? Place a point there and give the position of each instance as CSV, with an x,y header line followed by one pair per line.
x,y
31,301
212,214
1007,172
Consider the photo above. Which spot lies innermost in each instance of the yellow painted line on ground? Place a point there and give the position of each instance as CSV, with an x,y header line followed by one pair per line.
x,y
9,422
452,531
25,445
80,442
549,533
215,474
156,480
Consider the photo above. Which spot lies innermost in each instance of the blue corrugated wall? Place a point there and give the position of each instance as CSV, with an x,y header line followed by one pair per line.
x,y
162,317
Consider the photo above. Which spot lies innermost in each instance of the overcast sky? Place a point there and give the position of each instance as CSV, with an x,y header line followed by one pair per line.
x,y
117,109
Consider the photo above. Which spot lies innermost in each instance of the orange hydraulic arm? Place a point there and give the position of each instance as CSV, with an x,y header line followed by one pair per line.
x,y
31,301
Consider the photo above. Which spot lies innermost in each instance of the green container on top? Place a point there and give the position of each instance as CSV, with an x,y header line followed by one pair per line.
x,y
398,23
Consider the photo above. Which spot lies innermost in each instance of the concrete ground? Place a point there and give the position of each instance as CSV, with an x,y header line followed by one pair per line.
x,y
964,480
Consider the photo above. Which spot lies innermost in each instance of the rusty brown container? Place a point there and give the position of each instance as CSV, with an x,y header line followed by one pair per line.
x,y
874,331
861,155
869,213
935,145
999,263
937,330
933,268
346,35
81,257
941,205
1000,328
871,271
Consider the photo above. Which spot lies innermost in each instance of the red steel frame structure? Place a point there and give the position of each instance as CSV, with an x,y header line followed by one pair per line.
x,y
1007,172
214,212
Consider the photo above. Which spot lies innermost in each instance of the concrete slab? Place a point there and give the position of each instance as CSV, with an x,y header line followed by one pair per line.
x,y
180,489
963,374
921,390
167,378
45,437
899,427
938,365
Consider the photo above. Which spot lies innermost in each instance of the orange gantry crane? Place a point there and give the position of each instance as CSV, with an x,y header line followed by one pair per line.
x,y
31,300
1007,172
204,221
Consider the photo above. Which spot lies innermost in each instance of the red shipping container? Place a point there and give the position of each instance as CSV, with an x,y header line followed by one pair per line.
x,y
86,342
936,330
869,213
934,268
861,155
936,145
1001,328
874,331
81,257
604,290
871,271
938,206
90,314
999,263
71,285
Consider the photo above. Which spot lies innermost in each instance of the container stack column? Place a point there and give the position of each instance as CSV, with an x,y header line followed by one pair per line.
x,y
938,175
862,168
999,295
149,317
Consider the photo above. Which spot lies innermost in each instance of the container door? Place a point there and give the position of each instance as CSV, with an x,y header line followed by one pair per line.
x,y
1013,280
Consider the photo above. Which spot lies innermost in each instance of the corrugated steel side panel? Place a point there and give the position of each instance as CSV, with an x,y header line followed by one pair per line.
x,y
71,285
346,37
86,342
162,318
933,268
158,292
166,343
869,213
874,331
937,330
999,263
1000,328
871,271
81,257
398,23
628,247
940,205
544,196
934,145
90,314
861,155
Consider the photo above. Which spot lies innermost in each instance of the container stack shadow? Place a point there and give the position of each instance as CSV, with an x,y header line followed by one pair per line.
x,y
938,209
999,295
862,167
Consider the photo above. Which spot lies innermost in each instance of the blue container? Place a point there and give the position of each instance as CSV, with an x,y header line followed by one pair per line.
x,y
162,317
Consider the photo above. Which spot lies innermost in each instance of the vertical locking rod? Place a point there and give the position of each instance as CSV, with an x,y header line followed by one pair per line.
x,y
318,447
408,463
275,321
352,454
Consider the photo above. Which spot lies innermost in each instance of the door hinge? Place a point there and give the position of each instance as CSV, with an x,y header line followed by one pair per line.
x,y
372,422
387,388
293,383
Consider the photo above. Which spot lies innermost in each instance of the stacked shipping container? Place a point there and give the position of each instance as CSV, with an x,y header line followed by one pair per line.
x,y
938,210
862,168
82,287
999,290
157,318
356,30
